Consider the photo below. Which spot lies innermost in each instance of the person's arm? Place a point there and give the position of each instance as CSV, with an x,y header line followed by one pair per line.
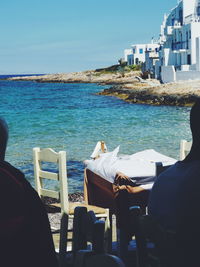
x,y
129,188
120,178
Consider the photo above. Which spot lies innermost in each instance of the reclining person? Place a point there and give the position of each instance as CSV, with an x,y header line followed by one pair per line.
x,y
25,234
175,199
133,185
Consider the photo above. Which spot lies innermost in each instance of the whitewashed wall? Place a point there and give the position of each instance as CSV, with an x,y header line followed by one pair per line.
x,y
168,74
141,57
187,75
188,7
195,33
198,53
126,53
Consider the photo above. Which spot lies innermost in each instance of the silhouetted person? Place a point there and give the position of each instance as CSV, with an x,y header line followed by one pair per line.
x,y
25,235
175,199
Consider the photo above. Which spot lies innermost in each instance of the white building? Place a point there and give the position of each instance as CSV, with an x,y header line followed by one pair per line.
x,y
138,53
128,56
151,57
179,55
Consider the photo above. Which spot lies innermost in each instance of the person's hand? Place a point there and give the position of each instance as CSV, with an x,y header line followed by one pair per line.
x,y
121,178
130,189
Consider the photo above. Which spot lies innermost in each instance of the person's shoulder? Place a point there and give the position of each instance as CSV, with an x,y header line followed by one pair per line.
x,y
9,171
189,167
4,165
168,171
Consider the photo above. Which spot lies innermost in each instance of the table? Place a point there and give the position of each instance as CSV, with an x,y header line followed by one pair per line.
x,y
100,192
99,188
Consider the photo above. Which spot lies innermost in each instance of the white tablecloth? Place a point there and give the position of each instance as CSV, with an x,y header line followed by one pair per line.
x,y
140,164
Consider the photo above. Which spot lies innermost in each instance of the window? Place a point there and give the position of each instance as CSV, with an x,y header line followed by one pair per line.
x,y
189,59
181,16
198,10
133,50
187,43
141,51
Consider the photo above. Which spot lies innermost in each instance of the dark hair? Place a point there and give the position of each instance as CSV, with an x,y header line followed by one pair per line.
x,y
3,137
195,128
195,122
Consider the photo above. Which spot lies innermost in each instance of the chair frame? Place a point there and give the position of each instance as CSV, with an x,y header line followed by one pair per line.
x,y
92,230
185,147
155,245
49,155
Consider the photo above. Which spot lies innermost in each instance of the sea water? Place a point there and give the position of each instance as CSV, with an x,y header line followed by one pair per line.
x,y
72,117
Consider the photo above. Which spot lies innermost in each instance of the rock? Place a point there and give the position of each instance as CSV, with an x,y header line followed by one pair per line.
x,y
178,94
131,87
140,79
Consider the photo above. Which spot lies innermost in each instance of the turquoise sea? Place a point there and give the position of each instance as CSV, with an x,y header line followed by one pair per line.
x,y
72,117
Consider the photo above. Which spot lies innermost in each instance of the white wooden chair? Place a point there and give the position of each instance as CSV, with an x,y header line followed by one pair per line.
x,y
185,147
67,208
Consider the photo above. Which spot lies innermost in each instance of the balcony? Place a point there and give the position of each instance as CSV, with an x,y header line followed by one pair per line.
x,y
169,30
153,54
192,18
180,46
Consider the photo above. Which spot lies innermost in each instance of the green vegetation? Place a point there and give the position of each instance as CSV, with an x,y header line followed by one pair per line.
x,y
120,68
133,67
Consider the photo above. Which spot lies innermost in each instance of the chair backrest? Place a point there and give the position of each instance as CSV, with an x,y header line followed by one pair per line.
x,y
160,168
105,260
40,156
155,245
185,147
91,230
79,240
88,231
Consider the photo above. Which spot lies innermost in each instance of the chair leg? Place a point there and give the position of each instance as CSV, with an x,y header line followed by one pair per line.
x,y
79,241
108,231
63,239
123,241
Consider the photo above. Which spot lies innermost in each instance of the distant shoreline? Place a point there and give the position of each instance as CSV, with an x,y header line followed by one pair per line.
x,y
128,86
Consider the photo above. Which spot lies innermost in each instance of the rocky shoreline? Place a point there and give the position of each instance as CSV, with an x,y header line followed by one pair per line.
x,y
90,76
156,96
129,86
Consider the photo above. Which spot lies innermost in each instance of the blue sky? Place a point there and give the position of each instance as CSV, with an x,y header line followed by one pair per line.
x,y
51,36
